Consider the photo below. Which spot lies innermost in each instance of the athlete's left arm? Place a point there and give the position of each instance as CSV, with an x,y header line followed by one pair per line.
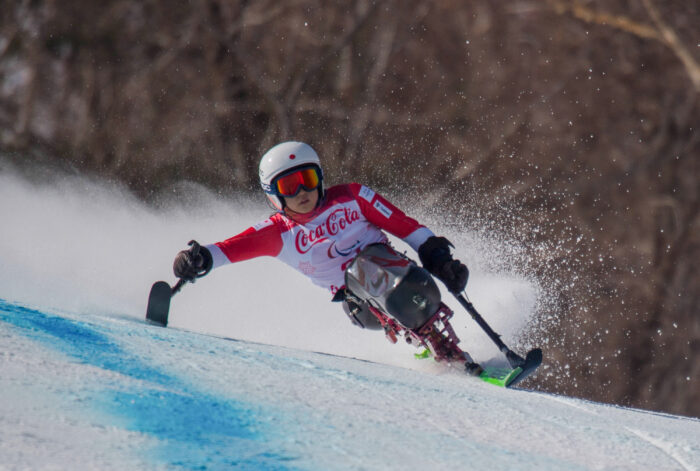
x,y
383,214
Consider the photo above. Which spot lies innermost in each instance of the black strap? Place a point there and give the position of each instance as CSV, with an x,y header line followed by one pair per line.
x,y
339,296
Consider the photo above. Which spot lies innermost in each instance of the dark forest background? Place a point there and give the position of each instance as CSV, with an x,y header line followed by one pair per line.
x,y
568,125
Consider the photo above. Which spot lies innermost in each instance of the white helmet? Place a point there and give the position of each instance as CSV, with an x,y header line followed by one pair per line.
x,y
281,159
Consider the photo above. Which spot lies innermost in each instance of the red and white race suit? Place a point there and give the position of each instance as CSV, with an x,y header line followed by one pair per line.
x,y
321,244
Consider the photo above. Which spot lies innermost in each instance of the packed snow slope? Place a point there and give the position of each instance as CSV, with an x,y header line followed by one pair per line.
x,y
85,383
101,392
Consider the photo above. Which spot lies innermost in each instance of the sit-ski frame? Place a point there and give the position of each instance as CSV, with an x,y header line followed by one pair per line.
x,y
436,335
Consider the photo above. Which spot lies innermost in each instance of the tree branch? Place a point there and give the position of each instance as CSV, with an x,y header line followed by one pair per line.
x,y
670,38
660,31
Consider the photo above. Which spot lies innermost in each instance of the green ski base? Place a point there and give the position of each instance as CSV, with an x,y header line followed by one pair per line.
x,y
500,376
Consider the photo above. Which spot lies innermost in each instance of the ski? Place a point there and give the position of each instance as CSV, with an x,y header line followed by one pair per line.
x,y
509,377
499,376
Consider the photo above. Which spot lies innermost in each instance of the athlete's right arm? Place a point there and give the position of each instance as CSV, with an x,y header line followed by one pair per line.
x,y
257,241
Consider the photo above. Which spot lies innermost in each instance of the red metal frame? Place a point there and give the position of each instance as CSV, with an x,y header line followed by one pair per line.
x,y
437,334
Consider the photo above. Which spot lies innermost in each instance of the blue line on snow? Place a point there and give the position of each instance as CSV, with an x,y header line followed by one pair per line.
x,y
198,430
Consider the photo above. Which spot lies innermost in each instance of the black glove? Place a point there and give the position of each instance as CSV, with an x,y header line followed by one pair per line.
x,y
193,263
436,258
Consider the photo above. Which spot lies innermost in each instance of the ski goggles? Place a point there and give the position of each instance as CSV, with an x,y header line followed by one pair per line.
x,y
290,185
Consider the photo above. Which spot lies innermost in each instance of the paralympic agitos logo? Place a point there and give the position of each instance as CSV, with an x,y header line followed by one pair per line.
x,y
337,221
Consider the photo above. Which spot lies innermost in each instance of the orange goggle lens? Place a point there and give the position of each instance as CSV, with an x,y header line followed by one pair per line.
x,y
290,185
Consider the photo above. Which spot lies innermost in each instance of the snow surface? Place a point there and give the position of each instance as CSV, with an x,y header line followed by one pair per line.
x,y
85,384
100,392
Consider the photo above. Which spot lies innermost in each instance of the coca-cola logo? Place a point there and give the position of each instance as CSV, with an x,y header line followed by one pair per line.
x,y
336,222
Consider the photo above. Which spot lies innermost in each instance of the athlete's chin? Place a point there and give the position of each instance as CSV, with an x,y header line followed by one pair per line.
x,y
303,208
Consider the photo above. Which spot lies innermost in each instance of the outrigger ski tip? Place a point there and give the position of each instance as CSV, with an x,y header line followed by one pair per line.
x,y
161,292
159,303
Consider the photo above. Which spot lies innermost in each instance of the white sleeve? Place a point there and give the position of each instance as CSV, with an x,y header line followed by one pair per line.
x,y
218,256
416,238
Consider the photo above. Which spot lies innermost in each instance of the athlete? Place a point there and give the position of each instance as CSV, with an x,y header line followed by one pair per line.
x,y
319,231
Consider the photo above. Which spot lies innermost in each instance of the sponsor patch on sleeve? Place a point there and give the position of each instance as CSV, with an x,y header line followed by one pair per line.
x,y
382,209
366,194
262,225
